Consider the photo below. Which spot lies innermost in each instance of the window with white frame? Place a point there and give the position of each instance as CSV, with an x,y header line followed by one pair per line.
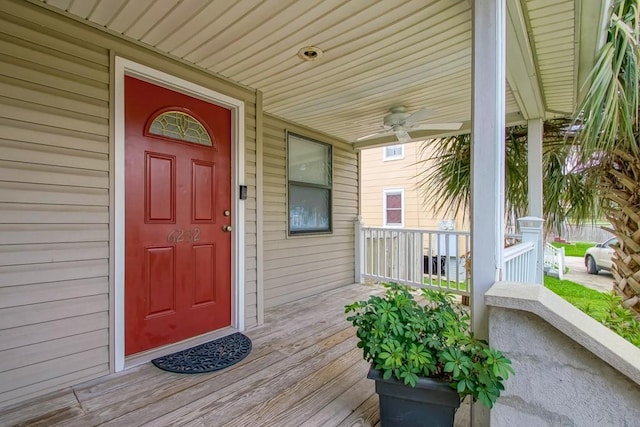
x,y
393,152
309,185
393,205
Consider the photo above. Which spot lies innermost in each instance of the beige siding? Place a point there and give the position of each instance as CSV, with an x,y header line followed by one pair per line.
x,y
55,233
378,175
299,266
54,211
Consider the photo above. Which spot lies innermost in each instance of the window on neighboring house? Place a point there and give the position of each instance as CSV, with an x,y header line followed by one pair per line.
x,y
394,208
309,185
393,152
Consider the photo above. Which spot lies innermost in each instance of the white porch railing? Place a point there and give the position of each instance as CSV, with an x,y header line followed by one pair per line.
x,y
423,258
520,262
437,259
554,263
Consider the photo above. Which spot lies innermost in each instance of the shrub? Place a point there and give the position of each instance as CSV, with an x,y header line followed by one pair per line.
x,y
407,340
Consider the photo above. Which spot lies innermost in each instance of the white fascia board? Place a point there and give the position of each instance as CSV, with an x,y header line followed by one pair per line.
x,y
522,75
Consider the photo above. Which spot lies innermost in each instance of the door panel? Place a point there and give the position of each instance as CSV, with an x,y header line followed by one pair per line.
x,y
177,255
159,282
160,193
203,188
204,271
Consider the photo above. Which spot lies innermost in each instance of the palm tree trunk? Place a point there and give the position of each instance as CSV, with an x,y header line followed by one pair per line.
x,y
621,189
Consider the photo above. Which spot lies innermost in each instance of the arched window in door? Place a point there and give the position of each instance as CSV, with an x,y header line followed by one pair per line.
x,y
181,126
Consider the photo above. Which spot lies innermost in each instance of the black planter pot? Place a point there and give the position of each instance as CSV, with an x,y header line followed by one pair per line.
x,y
430,403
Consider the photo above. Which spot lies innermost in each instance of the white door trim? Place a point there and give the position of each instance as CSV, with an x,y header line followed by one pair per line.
x,y
129,68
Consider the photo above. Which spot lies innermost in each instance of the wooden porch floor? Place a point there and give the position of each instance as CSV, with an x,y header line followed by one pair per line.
x,y
304,369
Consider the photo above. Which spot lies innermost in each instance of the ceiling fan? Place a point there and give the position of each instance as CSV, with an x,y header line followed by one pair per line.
x,y
399,122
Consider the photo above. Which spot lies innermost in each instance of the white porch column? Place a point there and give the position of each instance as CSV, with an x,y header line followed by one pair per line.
x,y
487,163
534,158
487,154
535,135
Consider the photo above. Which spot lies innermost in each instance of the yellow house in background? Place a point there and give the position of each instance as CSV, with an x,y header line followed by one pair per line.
x,y
390,191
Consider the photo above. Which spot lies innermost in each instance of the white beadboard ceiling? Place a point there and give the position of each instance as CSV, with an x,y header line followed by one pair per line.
x,y
377,54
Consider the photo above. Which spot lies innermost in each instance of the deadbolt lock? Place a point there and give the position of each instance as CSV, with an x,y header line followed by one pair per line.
x,y
226,213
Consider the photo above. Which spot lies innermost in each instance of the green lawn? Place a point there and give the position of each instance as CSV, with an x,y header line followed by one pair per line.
x,y
603,307
445,285
576,294
574,249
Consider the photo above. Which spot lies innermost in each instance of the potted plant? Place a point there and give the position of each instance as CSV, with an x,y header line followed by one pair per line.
x,y
424,358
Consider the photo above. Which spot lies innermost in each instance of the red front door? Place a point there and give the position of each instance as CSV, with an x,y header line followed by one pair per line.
x,y
177,207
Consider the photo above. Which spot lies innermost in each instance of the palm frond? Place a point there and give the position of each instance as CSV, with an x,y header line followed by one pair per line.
x,y
445,182
568,186
608,115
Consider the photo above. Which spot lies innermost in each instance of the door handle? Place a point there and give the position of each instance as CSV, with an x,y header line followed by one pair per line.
x,y
226,228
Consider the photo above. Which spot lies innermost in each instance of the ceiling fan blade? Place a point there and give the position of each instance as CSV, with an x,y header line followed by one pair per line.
x,y
438,126
384,132
418,116
402,135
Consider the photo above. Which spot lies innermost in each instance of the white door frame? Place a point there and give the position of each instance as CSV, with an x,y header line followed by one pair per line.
x,y
125,67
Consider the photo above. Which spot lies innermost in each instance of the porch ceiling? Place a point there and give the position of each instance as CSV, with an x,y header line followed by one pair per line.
x,y
377,55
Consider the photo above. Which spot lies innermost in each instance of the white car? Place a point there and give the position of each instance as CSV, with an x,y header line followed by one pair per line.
x,y
599,257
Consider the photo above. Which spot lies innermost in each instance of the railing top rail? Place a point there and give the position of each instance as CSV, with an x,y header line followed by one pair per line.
x,y
516,250
419,230
552,248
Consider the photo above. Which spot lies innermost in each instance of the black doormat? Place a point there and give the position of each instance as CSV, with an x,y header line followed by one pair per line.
x,y
207,357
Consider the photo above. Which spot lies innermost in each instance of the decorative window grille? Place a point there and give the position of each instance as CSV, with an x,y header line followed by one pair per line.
x,y
180,126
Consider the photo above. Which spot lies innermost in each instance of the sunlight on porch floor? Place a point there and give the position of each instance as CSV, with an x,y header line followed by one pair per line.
x,y
304,369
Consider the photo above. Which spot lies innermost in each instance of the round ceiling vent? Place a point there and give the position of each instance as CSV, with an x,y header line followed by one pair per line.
x,y
310,53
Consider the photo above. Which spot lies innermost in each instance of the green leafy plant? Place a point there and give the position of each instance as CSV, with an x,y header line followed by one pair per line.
x,y
407,340
605,307
616,317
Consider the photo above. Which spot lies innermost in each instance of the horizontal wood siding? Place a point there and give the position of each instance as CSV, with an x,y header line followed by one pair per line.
x,y
300,266
54,210
55,196
379,175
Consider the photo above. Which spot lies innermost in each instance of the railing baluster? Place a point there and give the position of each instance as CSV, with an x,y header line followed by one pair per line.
x,y
374,238
420,242
446,261
405,257
366,253
382,253
376,254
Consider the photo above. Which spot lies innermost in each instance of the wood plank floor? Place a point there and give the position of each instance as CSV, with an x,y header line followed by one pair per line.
x,y
304,370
